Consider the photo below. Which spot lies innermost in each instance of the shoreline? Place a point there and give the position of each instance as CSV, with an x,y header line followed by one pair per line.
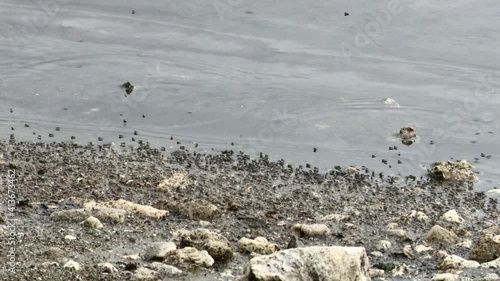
x,y
249,198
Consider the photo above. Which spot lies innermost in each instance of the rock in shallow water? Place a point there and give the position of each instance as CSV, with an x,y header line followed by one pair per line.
x,y
311,263
460,170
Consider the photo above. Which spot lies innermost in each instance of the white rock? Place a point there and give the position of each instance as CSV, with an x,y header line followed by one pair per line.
x,y
351,170
190,258
258,245
383,245
492,264
107,267
166,270
420,216
144,274
130,207
446,277
69,237
423,248
375,272
71,264
104,214
452,216
400,233
92,222
456,262
310,230
130,257
312,263
177,181
159,250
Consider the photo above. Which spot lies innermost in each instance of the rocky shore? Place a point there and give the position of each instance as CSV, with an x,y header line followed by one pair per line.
x,y
101,212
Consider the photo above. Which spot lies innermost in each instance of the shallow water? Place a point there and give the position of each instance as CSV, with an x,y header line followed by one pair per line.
x,y
282,78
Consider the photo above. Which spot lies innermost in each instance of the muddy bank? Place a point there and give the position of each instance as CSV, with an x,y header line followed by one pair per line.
x,y
227,193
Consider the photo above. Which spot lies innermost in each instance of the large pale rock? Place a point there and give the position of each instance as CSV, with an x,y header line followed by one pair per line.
x,y
487,247
214,243
492,264
159,250
190,258
104,214
308,230
440,234
455,262
460,170
311,263
130,207
259,245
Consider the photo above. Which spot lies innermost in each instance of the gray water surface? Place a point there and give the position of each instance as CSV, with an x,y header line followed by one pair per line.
x,y
282,77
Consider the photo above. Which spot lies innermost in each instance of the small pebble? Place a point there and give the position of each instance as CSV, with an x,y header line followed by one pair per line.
x,y
26,125
162,148
232,143
373,156
346,14
178,142
315,149
488,157
100,139
58,129
182,147
124,121
308,165
431,142
51,135
196,145
384,161
133,12
39,137
12,128
11,111
395,148
143,116
483,155
390,148
73,137
171,138
399,162
133,139
120,136
135,133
